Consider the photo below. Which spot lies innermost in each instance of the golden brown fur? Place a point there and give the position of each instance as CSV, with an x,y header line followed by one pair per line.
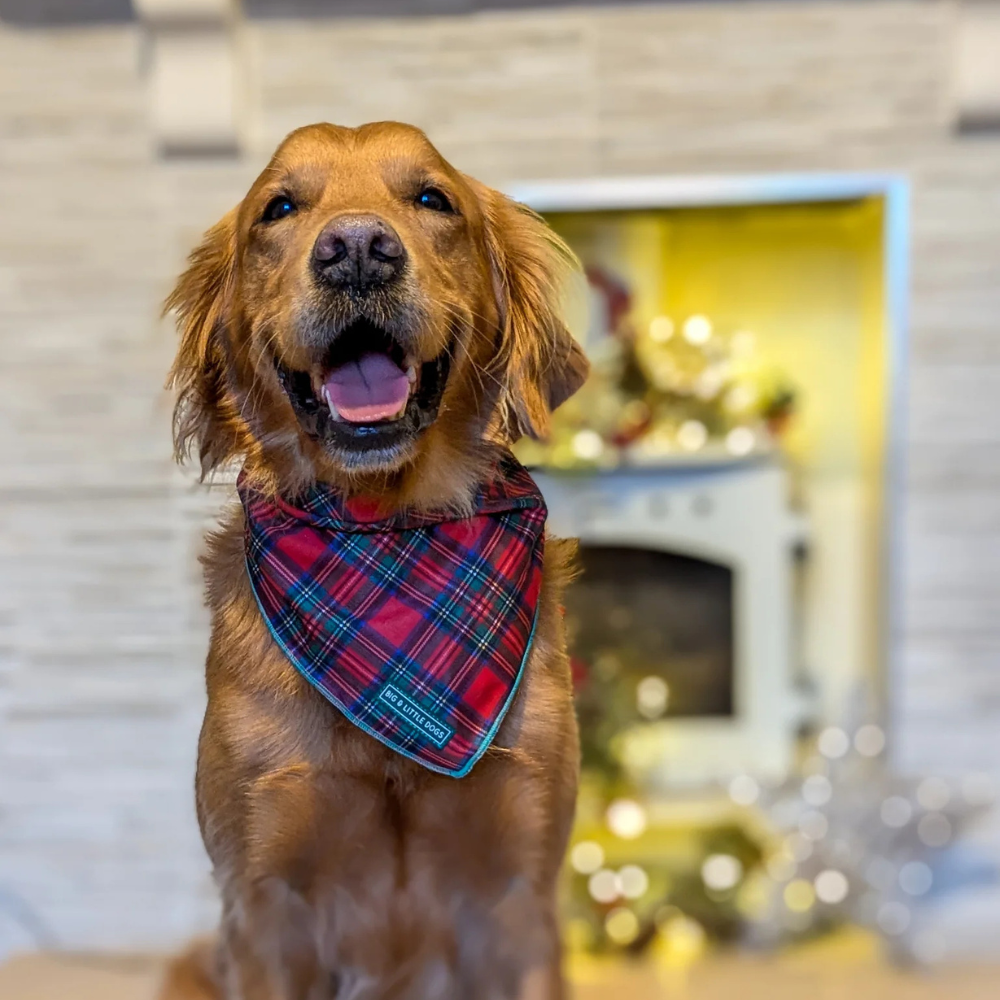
x,y
346,870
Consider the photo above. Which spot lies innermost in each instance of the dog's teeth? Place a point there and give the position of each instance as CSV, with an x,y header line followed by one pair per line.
x,y
411,374
324,393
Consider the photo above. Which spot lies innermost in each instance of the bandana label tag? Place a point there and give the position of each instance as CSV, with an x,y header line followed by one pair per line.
x,y
411,712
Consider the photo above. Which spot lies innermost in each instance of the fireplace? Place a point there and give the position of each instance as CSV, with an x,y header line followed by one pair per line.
x,y
689,540
685,609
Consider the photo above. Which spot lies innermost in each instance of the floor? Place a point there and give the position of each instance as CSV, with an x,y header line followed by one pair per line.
x,y
32,977
83,978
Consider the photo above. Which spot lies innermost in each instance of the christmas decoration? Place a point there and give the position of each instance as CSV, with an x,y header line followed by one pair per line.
x,y
644,881
842,843
664,389
852,843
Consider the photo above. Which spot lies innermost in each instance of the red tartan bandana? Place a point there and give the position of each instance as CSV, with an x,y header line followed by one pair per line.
x,y
416,626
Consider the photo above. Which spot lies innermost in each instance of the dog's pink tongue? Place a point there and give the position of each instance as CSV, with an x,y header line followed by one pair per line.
x,y
372,388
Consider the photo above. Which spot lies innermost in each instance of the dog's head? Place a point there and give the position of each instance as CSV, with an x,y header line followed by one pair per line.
x,y
368,316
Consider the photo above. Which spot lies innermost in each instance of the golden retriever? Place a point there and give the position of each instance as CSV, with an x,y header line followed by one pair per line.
x,y
346,870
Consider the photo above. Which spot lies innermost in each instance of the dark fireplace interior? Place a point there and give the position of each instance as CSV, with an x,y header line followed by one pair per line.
x,y
651,636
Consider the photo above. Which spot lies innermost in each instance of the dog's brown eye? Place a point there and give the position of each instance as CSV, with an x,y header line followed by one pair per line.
x,y
278,208
434,199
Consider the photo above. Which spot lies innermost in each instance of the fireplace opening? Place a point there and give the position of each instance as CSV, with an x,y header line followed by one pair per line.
x,y
651,636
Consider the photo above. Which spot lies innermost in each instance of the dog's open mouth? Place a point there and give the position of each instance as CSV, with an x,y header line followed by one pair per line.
x,y
369,395
367,377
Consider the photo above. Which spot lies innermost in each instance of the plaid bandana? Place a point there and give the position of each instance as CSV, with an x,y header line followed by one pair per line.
x,y
416,626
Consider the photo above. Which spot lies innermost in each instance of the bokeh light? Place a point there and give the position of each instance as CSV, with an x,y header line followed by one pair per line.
x,y
740,441
634,882
626,818
661,329
743,790
833,743
817,790
698,330
869,740
933,793
934,830
831,886
799,895
915,878
604,886
652,695
621,925
587,857
682,940
721,872
588,445
692,435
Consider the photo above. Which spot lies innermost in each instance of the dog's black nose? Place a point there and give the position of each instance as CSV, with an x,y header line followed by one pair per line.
x,y
358,252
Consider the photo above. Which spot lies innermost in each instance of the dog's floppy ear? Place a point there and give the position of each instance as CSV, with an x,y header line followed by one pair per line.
x,y
206,418
539,363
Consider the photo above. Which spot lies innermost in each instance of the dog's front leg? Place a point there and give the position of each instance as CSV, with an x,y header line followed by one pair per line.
x,y
545,981
257,832
269,946
543,984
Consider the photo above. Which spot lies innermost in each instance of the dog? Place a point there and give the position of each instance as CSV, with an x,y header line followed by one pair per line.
x,y
371,323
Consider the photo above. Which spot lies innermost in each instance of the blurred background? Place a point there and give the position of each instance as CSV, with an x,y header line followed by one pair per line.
x,y
784,470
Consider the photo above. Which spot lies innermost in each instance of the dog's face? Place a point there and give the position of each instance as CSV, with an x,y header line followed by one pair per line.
x,y
368,310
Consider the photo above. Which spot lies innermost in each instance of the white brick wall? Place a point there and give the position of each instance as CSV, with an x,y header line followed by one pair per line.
x,y
100,632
